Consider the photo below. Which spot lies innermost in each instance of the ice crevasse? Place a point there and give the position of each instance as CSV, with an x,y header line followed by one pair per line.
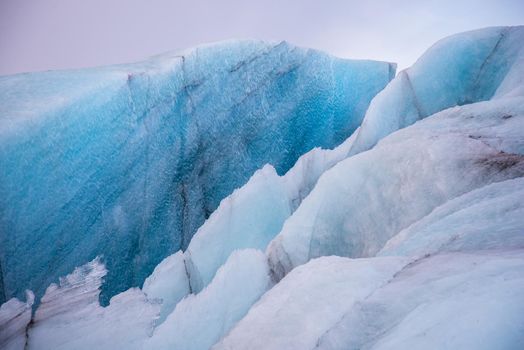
x,y
403,236
127,161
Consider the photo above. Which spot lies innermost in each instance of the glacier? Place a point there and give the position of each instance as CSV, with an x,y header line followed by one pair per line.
x,y
279,320
126,162
448,301
447,157
464,68
200,320
406,234
405,176
15,316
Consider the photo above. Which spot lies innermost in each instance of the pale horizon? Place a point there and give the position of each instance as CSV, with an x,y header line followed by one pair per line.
x,y
37,35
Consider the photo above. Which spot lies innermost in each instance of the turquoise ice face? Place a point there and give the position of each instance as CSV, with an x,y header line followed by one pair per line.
x,y
127,161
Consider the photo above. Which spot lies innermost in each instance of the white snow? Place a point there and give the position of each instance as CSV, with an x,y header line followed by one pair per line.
x,y
200,320
450,301
15,315
491,217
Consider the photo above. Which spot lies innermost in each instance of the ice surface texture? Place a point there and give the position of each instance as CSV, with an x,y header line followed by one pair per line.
x,y
200,320
254,214
128,161
448,301
464,68
408,174
310,300
428,226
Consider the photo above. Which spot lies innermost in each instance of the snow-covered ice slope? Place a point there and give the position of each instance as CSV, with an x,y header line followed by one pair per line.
x,y
448,301
363,201
491,217
309,301
128,161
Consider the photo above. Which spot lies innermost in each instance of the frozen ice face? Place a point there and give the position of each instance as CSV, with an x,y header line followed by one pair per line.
x,y
128,161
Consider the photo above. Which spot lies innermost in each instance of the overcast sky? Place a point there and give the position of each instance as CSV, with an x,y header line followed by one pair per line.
x,y
57,34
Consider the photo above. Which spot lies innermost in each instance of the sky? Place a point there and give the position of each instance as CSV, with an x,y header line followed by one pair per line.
x,y
40,35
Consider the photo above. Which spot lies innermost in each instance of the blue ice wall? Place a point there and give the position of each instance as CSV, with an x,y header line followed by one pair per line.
x,y
128,161
463,68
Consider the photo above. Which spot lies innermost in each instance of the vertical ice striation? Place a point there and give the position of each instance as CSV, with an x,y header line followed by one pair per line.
x,y
461,69
169,283
128,161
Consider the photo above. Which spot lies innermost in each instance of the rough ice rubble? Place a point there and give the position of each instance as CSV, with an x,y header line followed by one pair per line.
x,y
128,161
70,316
200,320
15,315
